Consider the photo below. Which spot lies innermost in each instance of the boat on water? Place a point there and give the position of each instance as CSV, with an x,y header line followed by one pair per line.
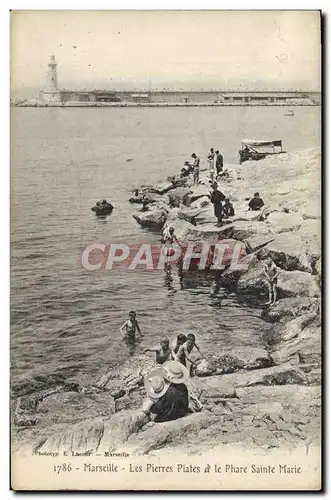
x,y
290,112
257,150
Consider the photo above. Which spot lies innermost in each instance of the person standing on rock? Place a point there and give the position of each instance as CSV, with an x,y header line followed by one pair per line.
x,y
218,162
216,198
211,161
271,272
256,203
196,168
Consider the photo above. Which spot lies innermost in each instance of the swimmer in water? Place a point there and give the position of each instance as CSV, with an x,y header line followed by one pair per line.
x,y
131,325
163,352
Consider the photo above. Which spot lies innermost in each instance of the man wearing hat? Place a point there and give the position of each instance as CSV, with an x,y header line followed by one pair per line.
x,y
167,392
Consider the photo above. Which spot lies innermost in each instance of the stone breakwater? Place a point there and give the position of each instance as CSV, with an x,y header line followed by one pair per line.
x,y
265,397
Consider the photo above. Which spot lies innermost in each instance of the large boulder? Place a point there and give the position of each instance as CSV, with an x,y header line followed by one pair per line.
x,y
152,219
282,222
183,229
293,283
310,233
289,308
205,215
289,253
199,191
202,202
290,283
295,326
304,348
254,279
182,212
163,187
179,195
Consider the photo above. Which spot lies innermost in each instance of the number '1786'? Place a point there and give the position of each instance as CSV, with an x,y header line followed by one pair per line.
x,y
62,468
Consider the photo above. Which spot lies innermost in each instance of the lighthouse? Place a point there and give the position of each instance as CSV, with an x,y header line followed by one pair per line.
x,y
52,75
51,92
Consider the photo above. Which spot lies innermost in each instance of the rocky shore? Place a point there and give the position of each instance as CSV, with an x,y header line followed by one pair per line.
x,y
267,397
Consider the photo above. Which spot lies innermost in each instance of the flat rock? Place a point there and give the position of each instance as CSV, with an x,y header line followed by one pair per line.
x,y
72,407
220,386
163,434
202,202
296,397
282,222
311,210
247,215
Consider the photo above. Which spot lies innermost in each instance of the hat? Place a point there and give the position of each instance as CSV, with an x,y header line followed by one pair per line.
x,y
155,384
175,372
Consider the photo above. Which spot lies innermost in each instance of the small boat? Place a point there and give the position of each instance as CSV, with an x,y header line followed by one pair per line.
x,y
102,208
257,150
290,112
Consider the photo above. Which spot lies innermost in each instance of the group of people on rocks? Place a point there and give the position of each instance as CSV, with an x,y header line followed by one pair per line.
x,y
179,350
168,397
215,163
223,208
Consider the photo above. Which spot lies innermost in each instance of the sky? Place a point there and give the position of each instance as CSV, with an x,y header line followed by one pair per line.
x,y
187,50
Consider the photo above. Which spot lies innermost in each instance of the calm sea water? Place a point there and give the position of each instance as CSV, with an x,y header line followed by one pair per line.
x,y
65,320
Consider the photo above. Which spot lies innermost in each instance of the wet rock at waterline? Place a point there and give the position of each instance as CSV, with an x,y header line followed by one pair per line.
x,y
152,219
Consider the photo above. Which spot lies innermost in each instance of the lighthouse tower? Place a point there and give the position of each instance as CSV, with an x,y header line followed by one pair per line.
x,y
51,92
52,75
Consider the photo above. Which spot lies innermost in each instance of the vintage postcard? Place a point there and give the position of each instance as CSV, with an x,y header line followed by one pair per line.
x,y
166,250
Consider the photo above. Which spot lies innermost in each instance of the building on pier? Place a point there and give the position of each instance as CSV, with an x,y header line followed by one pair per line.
x,y
53,94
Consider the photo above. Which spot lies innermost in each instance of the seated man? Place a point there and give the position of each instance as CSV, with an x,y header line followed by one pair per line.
x,y
256,203
167,392
228,210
